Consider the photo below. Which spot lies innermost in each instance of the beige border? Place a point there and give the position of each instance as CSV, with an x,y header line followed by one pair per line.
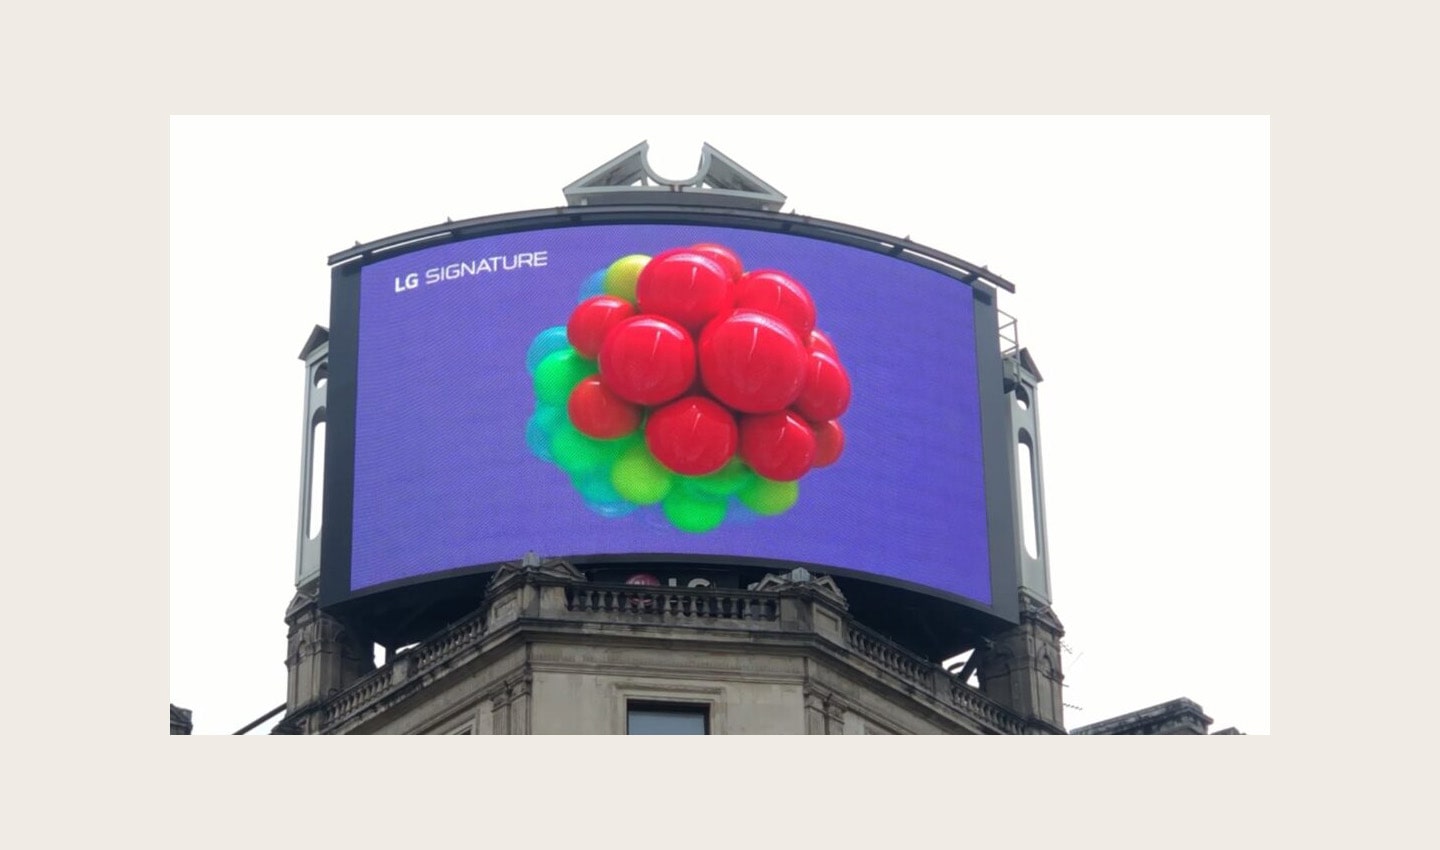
x,y
1353,142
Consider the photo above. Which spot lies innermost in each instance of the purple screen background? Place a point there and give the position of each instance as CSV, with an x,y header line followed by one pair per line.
x,y
444,479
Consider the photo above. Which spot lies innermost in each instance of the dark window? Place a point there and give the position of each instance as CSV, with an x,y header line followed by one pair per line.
x,y
666,718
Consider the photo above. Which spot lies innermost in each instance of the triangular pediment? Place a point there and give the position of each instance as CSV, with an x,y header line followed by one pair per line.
x,y
317,338
1028,363
801,577
534,566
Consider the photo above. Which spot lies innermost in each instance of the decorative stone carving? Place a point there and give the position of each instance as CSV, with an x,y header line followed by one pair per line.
x,y
531,566
323,656
801,577
1021,670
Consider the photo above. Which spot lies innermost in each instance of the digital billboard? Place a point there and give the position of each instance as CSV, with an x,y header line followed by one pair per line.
x,y
645,390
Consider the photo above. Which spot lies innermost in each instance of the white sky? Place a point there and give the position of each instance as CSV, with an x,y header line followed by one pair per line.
x,y
1139,246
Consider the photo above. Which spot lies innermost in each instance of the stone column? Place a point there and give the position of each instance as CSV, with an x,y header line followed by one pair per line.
x,y
814,714
1021,670
324,658
835,715
520,705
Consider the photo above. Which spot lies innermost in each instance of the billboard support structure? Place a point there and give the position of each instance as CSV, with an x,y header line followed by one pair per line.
x,y
1022,380
316,356
629,179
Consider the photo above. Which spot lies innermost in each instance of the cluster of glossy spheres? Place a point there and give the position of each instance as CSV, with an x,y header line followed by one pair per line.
x,y
684,381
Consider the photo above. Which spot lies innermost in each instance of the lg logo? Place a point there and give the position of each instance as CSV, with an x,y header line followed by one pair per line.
x,y
411,281
647,579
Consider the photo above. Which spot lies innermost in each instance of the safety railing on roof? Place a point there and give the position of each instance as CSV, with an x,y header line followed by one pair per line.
x,y
1009,334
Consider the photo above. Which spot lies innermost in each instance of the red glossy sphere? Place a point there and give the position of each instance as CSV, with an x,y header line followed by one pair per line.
x,y
778,446
827,389
728,260
820,342
590,321
647,360
668,252
780,295
686,287
697,387
596,411
692,435
752,362
829,442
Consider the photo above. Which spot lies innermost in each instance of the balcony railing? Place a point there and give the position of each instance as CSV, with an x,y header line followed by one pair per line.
x,y
687,604
671,606
889,655
358,696
466,633
425,656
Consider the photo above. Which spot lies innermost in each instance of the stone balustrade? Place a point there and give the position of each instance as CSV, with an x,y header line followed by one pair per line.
x,y
750,609
359,695
977,705
889,656
466,633
686,604
418,659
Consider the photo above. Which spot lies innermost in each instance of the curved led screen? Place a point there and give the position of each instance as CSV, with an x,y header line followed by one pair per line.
x,y
633,391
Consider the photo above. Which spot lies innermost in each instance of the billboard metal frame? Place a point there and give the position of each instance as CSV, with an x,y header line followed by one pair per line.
x,y
337,525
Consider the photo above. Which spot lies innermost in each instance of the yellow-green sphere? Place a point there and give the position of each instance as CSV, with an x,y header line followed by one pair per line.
x,y
620,277
639,478
769,498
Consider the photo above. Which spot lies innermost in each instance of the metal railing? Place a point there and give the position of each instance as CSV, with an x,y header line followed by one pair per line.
x,y
1009,333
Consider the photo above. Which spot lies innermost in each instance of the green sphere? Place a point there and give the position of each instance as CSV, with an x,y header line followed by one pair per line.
x,y
576,453
558,374
727,481
769,498
639,478
692,513
620,277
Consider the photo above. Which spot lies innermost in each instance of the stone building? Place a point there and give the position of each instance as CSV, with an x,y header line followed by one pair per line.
x,y
1176,717
547,647
551,652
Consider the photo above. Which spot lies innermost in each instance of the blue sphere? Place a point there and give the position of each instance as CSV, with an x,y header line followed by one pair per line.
x,y
546,343
600,496
540,428
594,285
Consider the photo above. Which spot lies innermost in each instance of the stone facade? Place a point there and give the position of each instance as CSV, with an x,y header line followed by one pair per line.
x,y
1176,717
1020,668
552,653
